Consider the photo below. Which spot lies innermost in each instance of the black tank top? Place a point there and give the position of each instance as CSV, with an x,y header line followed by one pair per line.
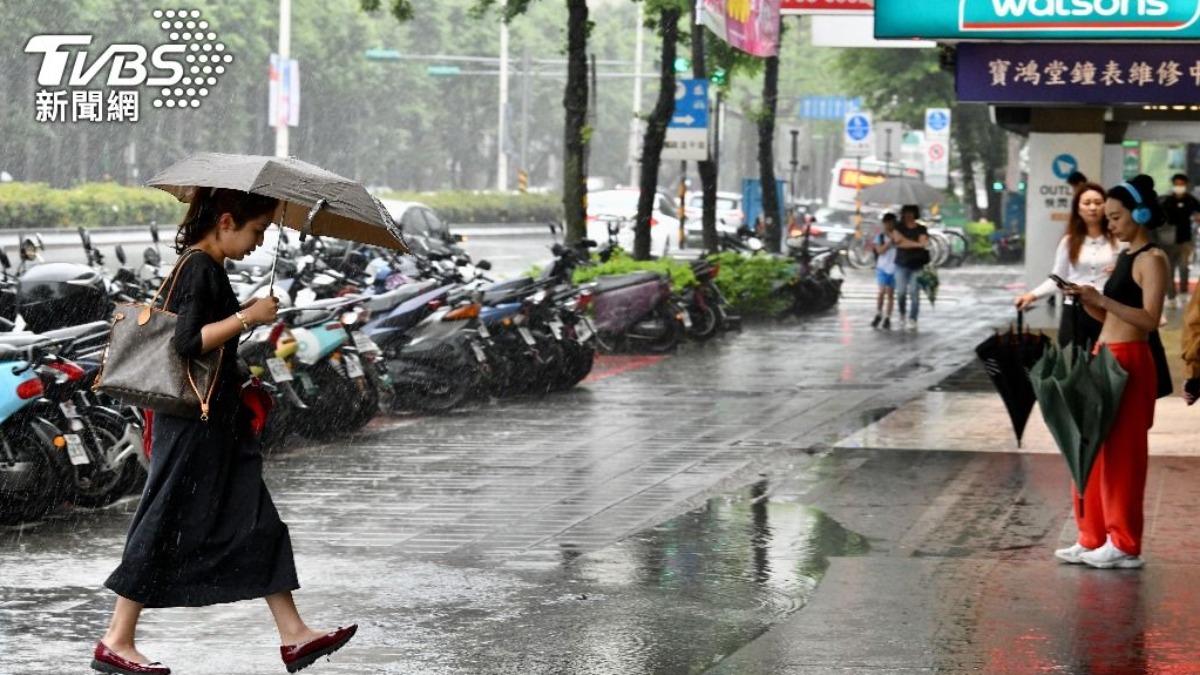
x,y
1121,286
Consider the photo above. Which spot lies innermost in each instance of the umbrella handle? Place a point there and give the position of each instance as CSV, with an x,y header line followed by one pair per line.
x,y
1020,322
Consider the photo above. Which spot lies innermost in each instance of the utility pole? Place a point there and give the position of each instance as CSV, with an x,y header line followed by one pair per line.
x,y
526,76
501,131
285,45
795,163
635,124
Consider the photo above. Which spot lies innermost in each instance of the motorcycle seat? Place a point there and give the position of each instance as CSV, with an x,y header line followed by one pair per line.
x,y
398,295
625,280
503,291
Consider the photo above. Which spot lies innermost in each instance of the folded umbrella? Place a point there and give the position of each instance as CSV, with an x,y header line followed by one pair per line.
x,y
1007,358
1078,395
312,200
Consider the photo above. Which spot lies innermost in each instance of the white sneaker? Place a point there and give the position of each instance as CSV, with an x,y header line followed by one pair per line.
x,y
1109,556
912,326
1072,553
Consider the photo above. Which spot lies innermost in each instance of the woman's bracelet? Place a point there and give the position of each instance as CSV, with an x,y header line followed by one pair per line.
x,y
242,317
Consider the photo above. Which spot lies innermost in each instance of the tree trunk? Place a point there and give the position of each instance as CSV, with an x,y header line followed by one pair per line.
x,y
708,168
766,154
575,100
656,134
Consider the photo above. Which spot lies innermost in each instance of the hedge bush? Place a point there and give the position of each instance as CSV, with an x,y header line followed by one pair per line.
x,y
979,234
679,271
38,206
464,206
749,282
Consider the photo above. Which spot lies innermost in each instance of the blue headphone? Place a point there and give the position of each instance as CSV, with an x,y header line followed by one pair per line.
x,y
1141,213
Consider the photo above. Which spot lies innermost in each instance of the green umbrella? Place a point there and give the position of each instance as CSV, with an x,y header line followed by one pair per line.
x,y
1078,395
928,280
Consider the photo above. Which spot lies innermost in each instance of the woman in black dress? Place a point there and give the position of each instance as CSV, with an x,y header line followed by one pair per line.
x,y
206,530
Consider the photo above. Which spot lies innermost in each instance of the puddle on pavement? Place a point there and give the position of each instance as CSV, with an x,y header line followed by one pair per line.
x,y
677,597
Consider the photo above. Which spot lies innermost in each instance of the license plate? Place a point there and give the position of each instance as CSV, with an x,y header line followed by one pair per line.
x,y
479,353
556,327
353,366
583,330
75,450
687,318
483,331
526,335
68,410
279,370
364,344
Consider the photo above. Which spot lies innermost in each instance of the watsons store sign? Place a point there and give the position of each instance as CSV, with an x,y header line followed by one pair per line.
x,y
1039,19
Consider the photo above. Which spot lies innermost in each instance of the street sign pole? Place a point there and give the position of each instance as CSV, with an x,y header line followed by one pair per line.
x,y
285,44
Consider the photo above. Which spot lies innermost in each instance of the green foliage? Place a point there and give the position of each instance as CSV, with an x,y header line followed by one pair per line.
x,y
38,206
486,207
750,282
679,271
979,234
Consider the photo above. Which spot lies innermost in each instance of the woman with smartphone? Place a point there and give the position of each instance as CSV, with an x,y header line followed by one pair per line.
x,y
1130,306
1085,256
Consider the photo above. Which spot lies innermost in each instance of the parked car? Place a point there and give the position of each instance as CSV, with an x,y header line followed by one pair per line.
x,y
730,216
420,223
621,206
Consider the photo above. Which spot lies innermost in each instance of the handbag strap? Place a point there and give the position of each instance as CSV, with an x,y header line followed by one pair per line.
x,y
212,384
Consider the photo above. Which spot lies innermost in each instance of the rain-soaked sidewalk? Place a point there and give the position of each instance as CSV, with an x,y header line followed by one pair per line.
x,y
709,510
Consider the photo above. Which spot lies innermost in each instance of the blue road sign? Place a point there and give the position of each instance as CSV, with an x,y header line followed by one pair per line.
x,y
937,120
1064,165
826,107
858,127
691,105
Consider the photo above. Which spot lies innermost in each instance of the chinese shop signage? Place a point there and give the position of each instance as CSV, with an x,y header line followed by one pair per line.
x,y
1078,73
1039,19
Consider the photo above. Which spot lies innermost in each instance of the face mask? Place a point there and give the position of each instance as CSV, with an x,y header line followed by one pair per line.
x,y
1180,190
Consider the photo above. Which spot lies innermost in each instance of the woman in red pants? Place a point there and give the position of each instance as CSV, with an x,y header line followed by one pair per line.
x,y
1110,523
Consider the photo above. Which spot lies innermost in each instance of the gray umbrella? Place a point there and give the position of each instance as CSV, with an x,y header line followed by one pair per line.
x,y
902,190
312,200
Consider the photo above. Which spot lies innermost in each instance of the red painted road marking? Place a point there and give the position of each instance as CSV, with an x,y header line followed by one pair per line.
x,y
607,366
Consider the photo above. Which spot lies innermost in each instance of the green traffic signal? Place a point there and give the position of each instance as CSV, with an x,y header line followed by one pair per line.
x,y
719,76
682,64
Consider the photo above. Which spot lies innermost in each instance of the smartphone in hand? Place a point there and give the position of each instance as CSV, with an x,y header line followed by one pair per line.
x,y
1061,283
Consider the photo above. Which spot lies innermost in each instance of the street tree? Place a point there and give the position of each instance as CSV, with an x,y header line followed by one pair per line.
x,y
766,149
668,13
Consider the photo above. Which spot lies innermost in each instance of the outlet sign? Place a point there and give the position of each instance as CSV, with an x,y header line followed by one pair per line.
x,y
1039,19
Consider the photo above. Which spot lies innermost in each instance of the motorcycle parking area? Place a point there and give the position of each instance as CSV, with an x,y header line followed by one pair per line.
x,y
668,511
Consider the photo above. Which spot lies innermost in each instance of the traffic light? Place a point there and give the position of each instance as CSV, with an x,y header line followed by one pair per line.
x,y
522,181
719,76
682,64
997,186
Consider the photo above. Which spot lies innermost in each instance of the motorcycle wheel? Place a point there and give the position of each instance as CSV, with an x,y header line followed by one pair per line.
x,y
551,359
331,406
705,322
24,507
113,435
456,379
577,366
672,331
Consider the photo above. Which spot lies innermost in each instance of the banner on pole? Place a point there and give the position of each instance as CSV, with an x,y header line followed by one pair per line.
x,y
283,92
751,26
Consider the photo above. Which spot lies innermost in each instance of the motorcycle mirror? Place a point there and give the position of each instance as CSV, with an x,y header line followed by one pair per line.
x,y
28,250
154,232
150,257
120,251
484,265
589,243
553,228
557,250
4,259
40,244
458,238
461,262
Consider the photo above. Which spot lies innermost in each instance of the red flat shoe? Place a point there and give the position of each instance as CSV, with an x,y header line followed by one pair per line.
x,y
106,660
298,657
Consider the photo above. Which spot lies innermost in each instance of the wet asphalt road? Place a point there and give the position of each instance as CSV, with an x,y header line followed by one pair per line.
x,y
661,518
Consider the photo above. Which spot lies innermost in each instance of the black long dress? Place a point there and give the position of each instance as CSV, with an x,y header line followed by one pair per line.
x,y
206,530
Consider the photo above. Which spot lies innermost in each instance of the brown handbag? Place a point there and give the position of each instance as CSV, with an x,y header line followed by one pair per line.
x,y
141,366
